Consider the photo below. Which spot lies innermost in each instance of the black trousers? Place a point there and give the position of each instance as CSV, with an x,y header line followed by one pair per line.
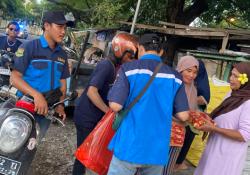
x,y
189,137
81,133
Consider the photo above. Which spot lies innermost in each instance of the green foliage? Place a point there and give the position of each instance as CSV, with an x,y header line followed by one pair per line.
x,y
36,9
81,4
13,9
151,12
105,13
220,12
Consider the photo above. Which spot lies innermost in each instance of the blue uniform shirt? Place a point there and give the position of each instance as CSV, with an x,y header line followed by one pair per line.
x,y
86,113
8,45
42,67
144,135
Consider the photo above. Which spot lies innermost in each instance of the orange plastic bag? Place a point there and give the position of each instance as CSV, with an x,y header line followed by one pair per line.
x,y
93,152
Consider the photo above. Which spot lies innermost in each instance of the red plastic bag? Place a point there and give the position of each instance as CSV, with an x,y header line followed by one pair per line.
x,y
93,152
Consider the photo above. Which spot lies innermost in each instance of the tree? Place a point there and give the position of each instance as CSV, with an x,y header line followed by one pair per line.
x,y
105,12
224,10
211,12
13,8
95,13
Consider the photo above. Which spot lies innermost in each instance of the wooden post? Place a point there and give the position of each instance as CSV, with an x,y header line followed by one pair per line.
x,y
224,43
221,69
227,70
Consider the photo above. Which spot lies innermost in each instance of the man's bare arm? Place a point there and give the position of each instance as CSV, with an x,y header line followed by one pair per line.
x,y
16,80
115,106
96,99
183,116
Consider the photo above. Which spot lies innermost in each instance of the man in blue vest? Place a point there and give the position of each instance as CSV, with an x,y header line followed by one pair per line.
x,y
41,66
142,141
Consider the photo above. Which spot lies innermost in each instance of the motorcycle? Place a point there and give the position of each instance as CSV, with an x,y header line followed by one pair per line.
x,y
19,132
6,59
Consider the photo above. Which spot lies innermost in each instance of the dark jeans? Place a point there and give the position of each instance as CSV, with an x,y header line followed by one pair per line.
x,y
82,133
189,137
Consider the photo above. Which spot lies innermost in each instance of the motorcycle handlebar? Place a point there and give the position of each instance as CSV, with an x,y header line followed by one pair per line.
x,y
72,96
6,58
2,52
6,92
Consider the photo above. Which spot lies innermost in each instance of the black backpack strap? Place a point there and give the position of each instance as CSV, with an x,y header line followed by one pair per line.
x,y
121,114
145,87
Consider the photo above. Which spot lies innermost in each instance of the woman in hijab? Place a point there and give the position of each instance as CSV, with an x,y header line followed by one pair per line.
x,y
226,148
188,66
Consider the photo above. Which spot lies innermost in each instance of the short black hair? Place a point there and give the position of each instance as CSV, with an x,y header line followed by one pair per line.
x,y
43,28
14,23
151,41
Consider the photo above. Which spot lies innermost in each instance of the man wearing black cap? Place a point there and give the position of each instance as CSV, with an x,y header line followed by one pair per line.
x,y
141,143
41,66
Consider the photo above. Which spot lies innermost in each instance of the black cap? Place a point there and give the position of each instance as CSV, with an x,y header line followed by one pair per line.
x,y
149,38
56,17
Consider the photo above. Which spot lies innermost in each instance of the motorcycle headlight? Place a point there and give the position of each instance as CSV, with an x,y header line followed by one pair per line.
x,y
2,112
14,132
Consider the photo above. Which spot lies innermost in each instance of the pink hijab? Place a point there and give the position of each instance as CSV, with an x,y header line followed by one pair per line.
x,y
184,63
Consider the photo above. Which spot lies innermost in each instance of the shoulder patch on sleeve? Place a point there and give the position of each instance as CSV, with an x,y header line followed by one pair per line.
x,y
19,52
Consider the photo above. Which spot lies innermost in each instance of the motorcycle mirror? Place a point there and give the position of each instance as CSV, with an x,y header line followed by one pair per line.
x,y
69,50
70,97
73,95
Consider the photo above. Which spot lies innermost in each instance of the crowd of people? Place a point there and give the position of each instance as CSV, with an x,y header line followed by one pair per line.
x,y
146,141
143,142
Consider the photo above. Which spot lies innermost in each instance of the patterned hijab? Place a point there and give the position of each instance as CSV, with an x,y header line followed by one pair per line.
x,y
237,97
184,63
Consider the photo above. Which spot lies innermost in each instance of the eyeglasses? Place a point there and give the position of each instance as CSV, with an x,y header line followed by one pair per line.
x,y
11,29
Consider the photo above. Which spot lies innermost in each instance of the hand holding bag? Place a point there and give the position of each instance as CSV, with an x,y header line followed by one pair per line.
x,y
94,152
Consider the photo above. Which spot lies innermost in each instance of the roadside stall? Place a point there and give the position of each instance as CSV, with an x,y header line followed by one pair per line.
x,y
219,49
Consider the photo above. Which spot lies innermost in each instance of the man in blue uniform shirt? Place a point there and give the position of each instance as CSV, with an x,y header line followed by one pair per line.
x,y
9,42
41,66
93,103
142,141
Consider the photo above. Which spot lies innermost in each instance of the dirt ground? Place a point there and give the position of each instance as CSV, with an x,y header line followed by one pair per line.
x,y
55,152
